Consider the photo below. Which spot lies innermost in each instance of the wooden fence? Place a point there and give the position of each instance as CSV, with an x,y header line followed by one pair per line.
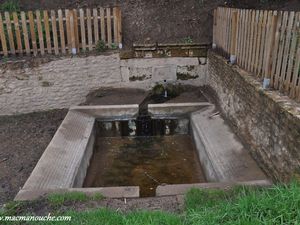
x,y
266,43
59,32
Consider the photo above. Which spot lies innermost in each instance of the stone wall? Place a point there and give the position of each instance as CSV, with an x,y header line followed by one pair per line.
x,y
44,84
267,122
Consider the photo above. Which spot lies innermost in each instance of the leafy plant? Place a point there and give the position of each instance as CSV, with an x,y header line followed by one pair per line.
x,y
101,46
113,46
188,40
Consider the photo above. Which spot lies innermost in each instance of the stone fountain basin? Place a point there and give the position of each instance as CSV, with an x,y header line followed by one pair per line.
x,y
63,165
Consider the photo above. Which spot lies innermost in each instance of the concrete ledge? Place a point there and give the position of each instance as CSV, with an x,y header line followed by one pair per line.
x,y
108,192
175,109
181,189
59,164
64,163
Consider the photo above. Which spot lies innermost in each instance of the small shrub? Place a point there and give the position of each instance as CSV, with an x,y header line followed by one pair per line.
x,y
114,46
101,46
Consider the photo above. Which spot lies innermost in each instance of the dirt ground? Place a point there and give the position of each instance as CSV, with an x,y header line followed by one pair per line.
x,y
23,139
164,21
41,207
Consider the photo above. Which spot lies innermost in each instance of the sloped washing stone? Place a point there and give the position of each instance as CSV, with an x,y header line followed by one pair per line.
x,y
222,155
175,109
64,163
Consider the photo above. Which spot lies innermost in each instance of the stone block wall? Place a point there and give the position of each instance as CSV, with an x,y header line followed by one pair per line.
x,y
56,84
52,83
266,121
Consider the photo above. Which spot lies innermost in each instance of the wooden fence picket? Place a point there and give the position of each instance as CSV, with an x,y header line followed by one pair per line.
x,y
266,43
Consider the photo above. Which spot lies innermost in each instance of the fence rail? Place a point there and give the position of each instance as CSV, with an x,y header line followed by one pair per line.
x,y
266,43
59,32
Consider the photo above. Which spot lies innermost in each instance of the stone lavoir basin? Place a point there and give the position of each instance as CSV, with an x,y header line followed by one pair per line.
x,y
116,151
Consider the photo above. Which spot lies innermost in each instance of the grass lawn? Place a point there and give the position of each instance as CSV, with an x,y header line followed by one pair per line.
x,y
277,205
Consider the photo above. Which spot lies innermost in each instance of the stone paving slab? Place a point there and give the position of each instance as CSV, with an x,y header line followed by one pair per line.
x,y
181,189
109,192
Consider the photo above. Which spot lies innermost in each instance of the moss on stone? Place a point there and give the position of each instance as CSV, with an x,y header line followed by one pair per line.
x,y
186,76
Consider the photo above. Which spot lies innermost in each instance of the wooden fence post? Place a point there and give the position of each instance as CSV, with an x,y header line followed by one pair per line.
x,y
214,44
72,30
234,34
270,42
3,38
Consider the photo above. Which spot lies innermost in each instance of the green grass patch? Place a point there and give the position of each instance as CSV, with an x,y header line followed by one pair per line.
x,y
57,199
279,204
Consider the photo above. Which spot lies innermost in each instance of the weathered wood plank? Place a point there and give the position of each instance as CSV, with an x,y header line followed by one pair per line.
x,y
234,33
3,38
262,44
54,32
47,32
281,49
288,36
275,48
76,29
102,24
73,39
108,23
270,43
32,32
18,33
89,29
259,37
292,53
68,30
96,29
10,34
40,32
82,29
61,31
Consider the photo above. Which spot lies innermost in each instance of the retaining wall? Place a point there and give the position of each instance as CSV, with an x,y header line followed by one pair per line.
x,y
45,84
266,121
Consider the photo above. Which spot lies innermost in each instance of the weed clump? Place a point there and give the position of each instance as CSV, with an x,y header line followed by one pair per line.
x,y
101,46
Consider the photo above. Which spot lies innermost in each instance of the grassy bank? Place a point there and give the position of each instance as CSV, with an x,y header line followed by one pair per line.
x,y
277,205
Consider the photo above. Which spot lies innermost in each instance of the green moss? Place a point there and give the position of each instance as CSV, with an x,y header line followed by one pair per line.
x,y
46,84
186,76
137,78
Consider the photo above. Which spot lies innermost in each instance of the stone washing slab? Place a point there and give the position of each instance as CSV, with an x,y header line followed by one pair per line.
x,y
64,163
108,111
175,109
222,155
181,189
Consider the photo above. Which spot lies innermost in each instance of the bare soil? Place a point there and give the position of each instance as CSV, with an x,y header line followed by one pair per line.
x,y
164,21
23,140
41,207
